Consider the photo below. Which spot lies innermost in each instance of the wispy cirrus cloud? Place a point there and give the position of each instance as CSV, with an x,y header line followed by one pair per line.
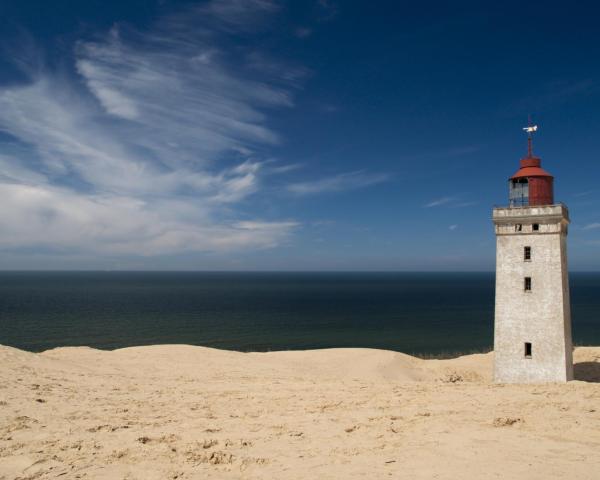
x,y
234,15
439,202
338,183
114,225
449,201
151,147
584,193
591,226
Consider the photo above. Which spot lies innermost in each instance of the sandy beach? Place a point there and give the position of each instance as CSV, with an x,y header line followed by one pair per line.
x,y
177,411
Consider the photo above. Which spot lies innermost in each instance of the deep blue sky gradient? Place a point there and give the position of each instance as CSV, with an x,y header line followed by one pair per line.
x,y
423,101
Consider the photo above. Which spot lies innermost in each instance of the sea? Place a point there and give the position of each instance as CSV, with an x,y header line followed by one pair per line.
x,y
437,314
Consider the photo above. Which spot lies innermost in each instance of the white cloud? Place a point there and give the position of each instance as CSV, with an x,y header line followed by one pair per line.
x,y
453,227
452,202
40,216
238,15
338,183
290,74
114,102
290,167
150,150
439,201
262,226
591,226
584,193
11,171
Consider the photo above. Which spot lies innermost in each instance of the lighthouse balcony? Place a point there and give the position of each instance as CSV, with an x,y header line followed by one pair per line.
x,y
531,219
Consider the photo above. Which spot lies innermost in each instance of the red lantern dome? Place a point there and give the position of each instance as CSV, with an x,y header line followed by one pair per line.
x,y
531,185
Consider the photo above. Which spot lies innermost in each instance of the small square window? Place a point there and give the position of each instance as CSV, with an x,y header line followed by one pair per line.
x,y
536,227
527,285
528,350
518,227
527,254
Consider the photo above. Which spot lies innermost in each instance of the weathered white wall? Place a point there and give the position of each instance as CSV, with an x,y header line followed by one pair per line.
x,y
542,316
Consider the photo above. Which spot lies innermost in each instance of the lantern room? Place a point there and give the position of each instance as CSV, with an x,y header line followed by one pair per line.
x,y
531,185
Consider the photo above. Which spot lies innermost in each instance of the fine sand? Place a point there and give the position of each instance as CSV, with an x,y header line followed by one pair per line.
x,y
177,411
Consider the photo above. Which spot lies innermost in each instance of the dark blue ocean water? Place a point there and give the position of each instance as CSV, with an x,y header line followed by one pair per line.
x,y
409,312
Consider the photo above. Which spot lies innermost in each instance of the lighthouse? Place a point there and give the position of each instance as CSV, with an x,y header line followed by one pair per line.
x,y
532,324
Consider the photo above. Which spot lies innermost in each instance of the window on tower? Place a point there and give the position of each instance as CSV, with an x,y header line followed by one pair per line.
x,y
518,227
528,349
527,254
527,285
519,192
536,227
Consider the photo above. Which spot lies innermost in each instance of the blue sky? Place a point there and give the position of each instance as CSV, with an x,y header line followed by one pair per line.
x,y
265,135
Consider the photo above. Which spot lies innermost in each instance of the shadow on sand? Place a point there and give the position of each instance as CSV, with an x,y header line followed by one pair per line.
x,y
587,371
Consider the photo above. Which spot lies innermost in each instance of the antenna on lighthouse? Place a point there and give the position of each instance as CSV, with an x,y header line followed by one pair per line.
x,y
530,129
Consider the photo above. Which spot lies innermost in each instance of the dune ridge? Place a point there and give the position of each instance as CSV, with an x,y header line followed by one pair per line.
x,y
180,411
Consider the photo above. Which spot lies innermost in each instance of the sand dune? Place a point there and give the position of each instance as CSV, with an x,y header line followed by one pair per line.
x,y
177,411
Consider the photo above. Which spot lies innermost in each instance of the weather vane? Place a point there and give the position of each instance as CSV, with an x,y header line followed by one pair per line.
x,y
530,129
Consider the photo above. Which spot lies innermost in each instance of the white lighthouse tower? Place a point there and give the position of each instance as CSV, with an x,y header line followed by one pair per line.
x,y
532,326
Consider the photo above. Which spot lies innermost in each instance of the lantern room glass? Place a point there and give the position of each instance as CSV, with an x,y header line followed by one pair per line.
x,y
518,192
